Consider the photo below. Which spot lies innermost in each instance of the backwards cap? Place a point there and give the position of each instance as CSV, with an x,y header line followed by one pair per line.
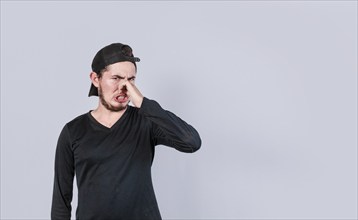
x,y
108,55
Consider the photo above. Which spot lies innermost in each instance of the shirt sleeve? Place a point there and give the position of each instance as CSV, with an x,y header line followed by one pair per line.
x,y
63,180
169,129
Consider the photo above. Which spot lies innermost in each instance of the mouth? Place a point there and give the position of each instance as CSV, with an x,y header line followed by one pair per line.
x,y
121,98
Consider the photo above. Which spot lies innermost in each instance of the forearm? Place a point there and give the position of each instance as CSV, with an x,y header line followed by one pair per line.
x,y
169,129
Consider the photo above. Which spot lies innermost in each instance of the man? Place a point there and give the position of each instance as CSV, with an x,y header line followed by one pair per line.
x,y
111,149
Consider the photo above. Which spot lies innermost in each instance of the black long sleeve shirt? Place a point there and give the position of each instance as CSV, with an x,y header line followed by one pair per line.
x,y
113,165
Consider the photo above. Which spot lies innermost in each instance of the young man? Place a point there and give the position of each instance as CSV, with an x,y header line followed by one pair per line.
x,y
111,149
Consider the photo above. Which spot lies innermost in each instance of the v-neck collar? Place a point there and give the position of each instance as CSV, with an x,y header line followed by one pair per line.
x,y
103,127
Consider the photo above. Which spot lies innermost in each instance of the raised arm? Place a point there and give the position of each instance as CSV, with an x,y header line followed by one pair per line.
x,y
168,129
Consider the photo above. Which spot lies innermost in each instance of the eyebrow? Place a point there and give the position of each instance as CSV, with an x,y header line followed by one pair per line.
x,y
123,77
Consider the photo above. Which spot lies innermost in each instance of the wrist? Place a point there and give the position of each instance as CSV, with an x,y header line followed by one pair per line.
x,y
139,102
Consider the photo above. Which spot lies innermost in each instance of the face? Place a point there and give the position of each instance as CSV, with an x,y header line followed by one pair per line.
x,y
112,94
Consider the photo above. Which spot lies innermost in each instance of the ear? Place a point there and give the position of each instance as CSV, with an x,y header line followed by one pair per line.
x,y
94,78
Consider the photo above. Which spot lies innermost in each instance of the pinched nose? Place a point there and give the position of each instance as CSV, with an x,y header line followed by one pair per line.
x,y
124,88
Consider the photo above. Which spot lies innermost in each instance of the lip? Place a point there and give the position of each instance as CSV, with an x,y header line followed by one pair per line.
x,y
121,98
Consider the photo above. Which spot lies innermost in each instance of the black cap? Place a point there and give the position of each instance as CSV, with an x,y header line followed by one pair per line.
x,y
108,55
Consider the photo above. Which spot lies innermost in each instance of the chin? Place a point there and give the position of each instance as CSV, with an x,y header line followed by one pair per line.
x,y
114,106
120,106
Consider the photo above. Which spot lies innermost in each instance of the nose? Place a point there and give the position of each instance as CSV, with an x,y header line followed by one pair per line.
x,y
124,88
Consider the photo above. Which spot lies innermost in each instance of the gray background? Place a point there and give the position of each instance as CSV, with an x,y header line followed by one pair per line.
x,y
270,85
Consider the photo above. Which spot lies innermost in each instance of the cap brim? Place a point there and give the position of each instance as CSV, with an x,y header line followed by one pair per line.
x,y
93,91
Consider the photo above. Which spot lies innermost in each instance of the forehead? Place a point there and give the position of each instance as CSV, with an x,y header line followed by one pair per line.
x,y
122,68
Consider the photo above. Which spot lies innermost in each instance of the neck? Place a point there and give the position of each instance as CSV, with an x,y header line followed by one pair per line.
x,y
107,117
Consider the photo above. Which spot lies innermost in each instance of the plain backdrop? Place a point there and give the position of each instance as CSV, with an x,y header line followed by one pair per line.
x,y
271,86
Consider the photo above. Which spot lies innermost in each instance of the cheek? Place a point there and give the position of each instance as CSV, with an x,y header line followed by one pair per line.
x,y
109,87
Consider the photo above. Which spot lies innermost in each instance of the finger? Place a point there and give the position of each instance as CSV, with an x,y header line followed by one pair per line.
x,y
130,86
124,84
